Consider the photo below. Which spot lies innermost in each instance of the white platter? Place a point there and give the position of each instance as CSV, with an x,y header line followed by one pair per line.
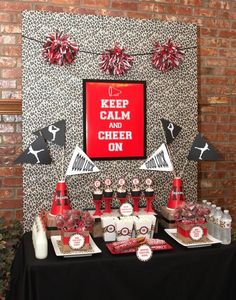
x,y
212,240
75,253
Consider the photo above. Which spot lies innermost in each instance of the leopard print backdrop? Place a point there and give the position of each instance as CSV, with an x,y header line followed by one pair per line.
x,y
52,93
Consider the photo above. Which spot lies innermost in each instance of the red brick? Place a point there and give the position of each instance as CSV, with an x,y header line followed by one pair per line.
x,y
178,10
19,214
6,171
11,28
7,39
208,51
9,204
7,62
14,181
6,193
19,192
10,51
95,3
7,128
7,214
12,73
216,62
204,12
7,84
206,166
5,17
42,7
11,95
18,171
7,150
227,34
138,15
124,5
208,32
190,2
219,4
14,138
218,100
7,160
14,6
151,7
65,2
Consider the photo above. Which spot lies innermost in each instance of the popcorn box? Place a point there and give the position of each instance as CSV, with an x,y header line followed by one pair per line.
x,y
124,228
109,228
192,232
143,226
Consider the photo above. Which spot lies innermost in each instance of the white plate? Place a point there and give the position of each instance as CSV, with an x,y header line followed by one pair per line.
x,y
212,241
75,253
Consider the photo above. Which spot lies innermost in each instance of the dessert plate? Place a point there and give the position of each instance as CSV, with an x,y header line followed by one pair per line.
x,y
74,253
211,240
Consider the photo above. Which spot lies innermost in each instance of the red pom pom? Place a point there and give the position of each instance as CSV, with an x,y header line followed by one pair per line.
x,y
167,56
59,50
115,61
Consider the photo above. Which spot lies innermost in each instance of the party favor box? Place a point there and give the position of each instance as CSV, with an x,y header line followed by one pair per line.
x,y
190,232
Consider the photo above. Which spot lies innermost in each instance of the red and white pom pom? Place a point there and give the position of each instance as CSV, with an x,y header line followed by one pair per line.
x,y
167,56
115,61
59,50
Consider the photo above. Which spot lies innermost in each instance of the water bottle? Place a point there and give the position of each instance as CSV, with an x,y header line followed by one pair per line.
x,y
225,224
211,220
208,205
217,218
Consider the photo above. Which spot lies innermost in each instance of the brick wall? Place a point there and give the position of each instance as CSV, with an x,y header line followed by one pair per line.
x,y
217,83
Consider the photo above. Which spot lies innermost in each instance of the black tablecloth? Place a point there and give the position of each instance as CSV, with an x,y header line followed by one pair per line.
x,y
200,273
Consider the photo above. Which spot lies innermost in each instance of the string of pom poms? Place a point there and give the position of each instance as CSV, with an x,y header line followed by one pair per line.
x,y
59,49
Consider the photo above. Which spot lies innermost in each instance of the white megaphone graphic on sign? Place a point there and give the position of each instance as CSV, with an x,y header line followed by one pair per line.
x,y
113,91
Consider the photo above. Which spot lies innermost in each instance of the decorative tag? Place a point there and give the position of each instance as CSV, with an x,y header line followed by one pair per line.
x,y
144,253
126,209
76,241
196,233
110,228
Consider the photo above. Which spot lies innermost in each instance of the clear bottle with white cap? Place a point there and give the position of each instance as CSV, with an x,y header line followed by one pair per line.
x,y
217,218
225,225
211,220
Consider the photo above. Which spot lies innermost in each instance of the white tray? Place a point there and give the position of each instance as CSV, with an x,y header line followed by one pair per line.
x,y
212,241
75,253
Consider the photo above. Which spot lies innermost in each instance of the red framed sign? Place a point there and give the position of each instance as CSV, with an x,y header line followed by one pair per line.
x,y
114,119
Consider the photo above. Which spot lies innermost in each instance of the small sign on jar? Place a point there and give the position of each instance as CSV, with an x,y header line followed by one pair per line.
x,y
196,233
76,241
126,209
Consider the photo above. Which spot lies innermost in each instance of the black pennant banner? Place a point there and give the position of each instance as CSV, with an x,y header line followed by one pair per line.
x,y
36,153
202,150
171,130
54,133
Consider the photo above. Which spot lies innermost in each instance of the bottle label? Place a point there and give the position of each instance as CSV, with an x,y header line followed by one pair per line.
x,y
225,224
217,220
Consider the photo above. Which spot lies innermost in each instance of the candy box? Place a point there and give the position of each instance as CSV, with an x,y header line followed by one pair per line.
x,y
75,240
124,228
109,228
143,226
192,231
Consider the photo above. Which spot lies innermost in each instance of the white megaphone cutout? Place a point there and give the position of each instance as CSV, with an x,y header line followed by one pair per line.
x,y
80,163
159,161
